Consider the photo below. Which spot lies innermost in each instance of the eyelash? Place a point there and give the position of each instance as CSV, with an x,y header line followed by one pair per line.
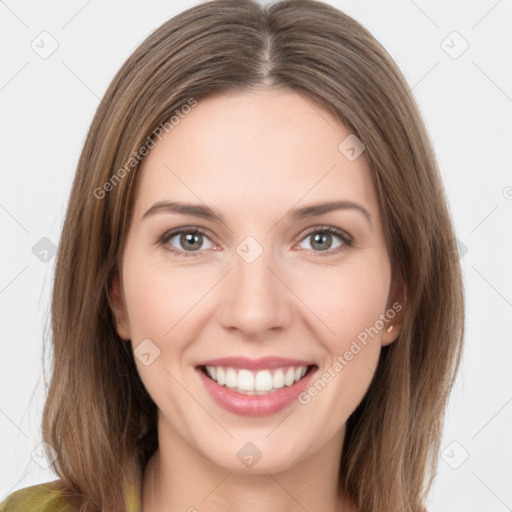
x,y
342,235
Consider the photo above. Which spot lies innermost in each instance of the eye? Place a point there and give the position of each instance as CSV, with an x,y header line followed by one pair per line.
x,y
322,241
190,239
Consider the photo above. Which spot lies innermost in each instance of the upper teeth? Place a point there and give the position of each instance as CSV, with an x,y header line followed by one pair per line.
x,y
263,380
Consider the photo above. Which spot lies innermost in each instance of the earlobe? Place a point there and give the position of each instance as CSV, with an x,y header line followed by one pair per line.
x,y
390,334
394,312
119,308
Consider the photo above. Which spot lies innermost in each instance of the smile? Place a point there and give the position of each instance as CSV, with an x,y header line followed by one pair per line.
x,y
232,396
250,382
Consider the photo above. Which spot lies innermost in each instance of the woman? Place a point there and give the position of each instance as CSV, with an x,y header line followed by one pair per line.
x,y
210,352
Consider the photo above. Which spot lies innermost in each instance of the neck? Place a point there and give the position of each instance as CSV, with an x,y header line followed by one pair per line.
x,y
178,478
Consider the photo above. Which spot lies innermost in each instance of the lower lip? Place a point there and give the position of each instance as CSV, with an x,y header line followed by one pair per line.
x,y
255,405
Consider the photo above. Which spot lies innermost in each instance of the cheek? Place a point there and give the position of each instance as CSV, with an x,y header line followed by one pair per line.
x,y
351,309
161,307
348,301
161,299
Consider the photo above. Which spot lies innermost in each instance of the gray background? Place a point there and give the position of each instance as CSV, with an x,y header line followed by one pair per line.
x,y
47,103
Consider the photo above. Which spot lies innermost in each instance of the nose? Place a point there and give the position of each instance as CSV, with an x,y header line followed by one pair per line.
x,y
256,298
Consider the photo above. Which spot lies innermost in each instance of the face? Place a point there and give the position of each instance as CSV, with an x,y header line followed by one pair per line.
x,y
256,280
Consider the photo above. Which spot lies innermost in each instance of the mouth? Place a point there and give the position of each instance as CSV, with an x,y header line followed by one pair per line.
x,y
257,382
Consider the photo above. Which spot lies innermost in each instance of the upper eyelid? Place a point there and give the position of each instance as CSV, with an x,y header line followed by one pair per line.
x,y
321,228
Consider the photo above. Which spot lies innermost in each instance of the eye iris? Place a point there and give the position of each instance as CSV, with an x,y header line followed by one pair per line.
x,y
189,238
320,238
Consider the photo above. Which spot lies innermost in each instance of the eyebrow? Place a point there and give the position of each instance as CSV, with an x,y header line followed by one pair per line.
x,y
294,214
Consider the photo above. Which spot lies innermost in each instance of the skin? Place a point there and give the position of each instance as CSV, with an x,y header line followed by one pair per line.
x,y
251,157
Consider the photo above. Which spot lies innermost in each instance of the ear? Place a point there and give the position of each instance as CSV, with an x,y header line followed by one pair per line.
x,y
119,310
395,311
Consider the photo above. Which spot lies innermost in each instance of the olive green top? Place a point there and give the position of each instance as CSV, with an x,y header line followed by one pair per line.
x,y
47,497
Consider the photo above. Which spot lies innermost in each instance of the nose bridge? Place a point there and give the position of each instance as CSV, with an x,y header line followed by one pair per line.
x,y
255,299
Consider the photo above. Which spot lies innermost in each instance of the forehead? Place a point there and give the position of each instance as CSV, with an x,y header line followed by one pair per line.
x,y
267,150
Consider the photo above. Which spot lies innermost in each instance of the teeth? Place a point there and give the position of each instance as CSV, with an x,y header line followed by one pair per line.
x,y
231,378
256,382
262,382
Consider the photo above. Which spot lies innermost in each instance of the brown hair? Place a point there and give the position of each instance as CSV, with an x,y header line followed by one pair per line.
x,y
98,416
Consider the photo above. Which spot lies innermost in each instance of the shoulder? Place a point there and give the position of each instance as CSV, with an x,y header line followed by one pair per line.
x,y
46,497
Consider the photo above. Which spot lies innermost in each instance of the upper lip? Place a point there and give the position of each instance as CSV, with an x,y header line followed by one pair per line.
x,y
255,364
